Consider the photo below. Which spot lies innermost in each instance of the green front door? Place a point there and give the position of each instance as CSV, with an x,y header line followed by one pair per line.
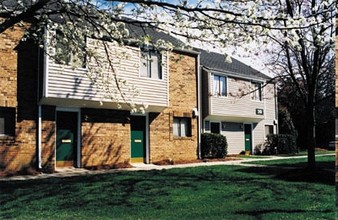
x,y
248,138
66,133
137,138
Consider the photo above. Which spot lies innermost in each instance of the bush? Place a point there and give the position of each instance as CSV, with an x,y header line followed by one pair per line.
x,y
213,145
280,144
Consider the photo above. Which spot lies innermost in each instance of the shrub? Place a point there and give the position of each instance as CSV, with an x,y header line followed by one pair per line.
x,y
213,145
280,144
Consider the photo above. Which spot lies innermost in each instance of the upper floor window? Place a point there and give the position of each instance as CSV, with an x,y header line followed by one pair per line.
x,y
256,91
64,54
7,121
182,127
220,85
151,63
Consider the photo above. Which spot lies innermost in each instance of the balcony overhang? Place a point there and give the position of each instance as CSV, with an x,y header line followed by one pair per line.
x,y
79,103
231,118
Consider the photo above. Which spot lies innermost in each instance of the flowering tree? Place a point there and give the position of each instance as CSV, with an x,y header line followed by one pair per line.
x,y
302,30
303,60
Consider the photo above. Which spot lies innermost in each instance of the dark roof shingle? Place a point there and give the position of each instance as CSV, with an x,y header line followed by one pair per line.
x,y
215,61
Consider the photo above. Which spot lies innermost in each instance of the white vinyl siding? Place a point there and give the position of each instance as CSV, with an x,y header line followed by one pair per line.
x,y
235,140
270,103
236,105
68,83
258,134
239,108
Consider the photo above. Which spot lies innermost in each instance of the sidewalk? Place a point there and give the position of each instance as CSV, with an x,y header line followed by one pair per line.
x,y
71,172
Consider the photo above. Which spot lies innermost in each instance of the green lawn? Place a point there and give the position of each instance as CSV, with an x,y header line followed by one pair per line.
x,y
301,153
217,192
323,162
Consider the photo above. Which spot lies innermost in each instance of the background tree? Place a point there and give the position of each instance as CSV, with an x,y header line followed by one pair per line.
x,y
304,64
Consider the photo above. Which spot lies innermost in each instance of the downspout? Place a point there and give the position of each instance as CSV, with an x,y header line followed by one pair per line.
x,y
39,127
276,108
199,91
39,137
44,93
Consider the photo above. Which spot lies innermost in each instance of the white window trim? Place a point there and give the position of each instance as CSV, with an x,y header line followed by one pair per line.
x,y
226,84
188,129
162,67
253,91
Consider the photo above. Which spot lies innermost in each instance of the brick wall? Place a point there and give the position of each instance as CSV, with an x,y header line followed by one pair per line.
x,y
48,136
182,99
105,137
18,68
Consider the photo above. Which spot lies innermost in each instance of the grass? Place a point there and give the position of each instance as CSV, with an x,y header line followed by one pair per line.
x,y
301,153
216,192
322,162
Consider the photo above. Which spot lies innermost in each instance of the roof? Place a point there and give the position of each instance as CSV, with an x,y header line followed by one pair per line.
x,y
216,62
137,30
210,60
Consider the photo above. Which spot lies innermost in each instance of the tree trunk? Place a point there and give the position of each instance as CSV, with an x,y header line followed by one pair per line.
x,y
311,136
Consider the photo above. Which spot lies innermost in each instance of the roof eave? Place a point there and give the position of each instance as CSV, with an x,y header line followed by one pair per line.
x,y
237,75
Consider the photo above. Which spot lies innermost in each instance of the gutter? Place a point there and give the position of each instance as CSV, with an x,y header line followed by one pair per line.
x,y
39,121
236,75
276,107
197,53
199,104
39,137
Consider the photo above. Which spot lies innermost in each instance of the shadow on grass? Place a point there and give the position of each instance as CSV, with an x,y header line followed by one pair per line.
x,y
259,213
131,193
298,174
280,163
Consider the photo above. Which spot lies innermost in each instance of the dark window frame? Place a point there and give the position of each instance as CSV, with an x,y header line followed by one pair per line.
x,y
180,121
8,115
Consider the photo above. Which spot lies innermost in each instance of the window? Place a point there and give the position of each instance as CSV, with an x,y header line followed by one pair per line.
x,y
182,127
256,91
215,127
268,129
151,64
207,125
220,85
7,121
63,55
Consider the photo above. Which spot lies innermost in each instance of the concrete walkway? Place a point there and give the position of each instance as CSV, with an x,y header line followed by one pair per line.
x,y
71,172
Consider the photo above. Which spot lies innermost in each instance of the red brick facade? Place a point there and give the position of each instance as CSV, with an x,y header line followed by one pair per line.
x,y
182,99
105,137
18,91
105,134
